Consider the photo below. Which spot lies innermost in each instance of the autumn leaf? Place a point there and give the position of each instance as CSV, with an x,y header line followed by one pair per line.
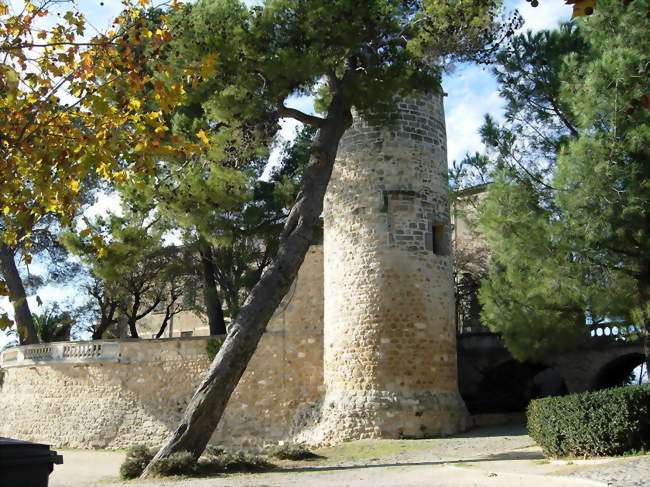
x,y
203,137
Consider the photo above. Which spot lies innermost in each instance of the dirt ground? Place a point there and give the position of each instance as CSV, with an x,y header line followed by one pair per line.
x,y
496,456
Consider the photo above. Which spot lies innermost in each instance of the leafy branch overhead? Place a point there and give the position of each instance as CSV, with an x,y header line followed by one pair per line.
x,y
76,106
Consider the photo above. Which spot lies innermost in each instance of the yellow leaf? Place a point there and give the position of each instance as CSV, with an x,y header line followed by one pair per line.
x,y
203,136
5,322
581,7
51,205
101,252
6,210
120,177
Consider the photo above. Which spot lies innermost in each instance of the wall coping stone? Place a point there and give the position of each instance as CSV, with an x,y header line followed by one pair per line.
x,y
123,350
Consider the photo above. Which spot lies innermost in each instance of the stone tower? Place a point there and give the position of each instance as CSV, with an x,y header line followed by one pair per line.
x,y
390,351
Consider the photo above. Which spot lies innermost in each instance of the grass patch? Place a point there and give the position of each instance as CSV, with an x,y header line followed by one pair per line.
x,y
542,461
461,464
363,449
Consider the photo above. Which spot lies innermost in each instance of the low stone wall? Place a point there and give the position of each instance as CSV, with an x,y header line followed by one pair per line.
x,y
138,393
117,393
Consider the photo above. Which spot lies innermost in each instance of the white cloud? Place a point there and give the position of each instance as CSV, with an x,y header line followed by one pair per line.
x,y
471,93
289,128
105,202
546,15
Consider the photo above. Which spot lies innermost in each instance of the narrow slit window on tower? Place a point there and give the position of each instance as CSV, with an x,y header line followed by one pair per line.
x,y
438,238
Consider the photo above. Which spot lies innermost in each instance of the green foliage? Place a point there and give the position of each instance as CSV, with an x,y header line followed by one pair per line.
x,y
214,460
52,325
178,463
608,422
567,215
282,48
212,346
291,451
127,254
137,458
223,461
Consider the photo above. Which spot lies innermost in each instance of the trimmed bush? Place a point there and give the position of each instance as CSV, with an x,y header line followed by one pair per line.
x,y
137,458
607,422
291,451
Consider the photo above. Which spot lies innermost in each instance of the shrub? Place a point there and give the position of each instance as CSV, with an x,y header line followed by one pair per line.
x,y
217,460
291,451
137,458
179,463
608,422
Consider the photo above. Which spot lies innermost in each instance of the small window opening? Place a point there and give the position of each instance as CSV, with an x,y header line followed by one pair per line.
x,y
438,238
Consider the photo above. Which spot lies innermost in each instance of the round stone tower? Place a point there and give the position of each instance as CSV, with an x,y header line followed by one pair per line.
x,y
390,339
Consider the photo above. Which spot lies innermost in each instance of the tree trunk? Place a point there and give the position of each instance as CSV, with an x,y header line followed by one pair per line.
x,y
209,401
18,297
106,320
211,299
646,348
644,305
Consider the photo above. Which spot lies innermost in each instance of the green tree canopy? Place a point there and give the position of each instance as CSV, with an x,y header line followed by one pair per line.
x,y
570,242
361,54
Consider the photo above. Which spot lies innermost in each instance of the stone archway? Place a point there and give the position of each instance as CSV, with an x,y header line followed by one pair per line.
x,y
616,372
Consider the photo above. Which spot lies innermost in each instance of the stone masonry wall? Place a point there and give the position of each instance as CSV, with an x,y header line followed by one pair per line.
x,y
140,398
390,353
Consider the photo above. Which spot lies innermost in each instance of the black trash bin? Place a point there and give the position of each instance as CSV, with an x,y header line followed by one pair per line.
x,y
26,464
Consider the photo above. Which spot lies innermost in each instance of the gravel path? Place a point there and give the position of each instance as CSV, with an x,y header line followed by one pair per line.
x,y
631,472
485,457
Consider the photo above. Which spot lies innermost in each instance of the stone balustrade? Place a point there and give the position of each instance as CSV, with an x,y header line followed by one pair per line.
x,y
613,329
62,352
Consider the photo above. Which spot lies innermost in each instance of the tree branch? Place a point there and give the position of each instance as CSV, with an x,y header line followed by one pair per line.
x,y
300,116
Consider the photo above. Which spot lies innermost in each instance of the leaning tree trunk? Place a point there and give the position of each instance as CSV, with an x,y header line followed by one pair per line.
x,y
206,407
18,297
211,299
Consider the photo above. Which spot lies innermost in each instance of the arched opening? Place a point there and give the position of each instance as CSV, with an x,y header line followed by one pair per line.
x,y
510,386
619,372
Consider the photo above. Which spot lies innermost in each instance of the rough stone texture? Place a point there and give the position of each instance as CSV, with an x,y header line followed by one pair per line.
x,y
141,398
389,333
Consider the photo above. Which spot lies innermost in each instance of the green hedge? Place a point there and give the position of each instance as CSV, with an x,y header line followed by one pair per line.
x,y
608,422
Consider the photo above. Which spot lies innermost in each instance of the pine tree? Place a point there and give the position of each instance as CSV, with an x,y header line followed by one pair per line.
x,y
361,54
576,247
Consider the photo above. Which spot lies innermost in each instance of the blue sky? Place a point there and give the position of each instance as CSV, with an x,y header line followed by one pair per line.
x,y
471,93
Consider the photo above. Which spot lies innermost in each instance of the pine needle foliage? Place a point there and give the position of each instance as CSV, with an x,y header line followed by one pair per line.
x,y
571,241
